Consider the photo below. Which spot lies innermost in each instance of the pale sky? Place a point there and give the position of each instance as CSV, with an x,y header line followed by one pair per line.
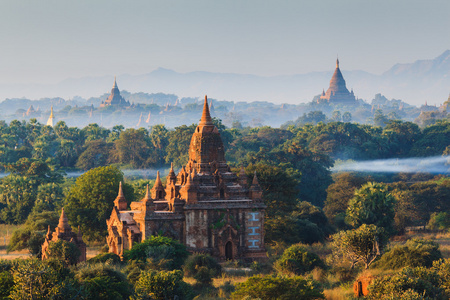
x,y
48,41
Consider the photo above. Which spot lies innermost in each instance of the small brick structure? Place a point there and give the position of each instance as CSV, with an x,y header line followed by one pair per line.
x,y
205,206
360,286
64,232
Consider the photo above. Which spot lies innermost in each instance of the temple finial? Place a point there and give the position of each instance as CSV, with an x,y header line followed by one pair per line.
x,y
255,180
115,83
206,116
63,224
147,193
337,62
158,180
120,194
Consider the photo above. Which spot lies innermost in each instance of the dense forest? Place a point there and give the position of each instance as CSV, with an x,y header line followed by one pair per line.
x,y
314,217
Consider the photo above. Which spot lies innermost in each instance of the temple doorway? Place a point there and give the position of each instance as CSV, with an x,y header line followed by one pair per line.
x,y
229,251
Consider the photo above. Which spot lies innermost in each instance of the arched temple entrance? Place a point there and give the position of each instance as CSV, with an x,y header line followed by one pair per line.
x,y
229,250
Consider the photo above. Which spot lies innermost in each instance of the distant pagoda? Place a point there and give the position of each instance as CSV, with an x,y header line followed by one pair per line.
x,y
115,99
51,119
337,93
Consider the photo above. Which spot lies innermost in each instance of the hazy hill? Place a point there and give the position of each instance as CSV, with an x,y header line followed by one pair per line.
x,y
415,83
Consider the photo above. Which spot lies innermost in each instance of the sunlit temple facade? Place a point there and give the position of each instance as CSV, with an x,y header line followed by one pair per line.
x,y
205,206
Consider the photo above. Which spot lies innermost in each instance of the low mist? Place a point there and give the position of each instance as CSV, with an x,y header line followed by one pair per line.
x,y
434,164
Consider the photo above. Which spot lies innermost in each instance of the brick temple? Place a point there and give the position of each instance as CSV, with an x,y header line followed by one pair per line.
x,y
337,92
115,99
64,232
205,206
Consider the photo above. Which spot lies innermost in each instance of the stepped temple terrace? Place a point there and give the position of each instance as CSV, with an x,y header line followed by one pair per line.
x,y
205,206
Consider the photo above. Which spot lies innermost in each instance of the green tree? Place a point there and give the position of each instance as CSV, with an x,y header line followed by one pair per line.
x,y
162,285
31,234
133,147
159,139
94,132
159,249
379,119
409,283
363,244
202,267
347,117
178,147
97,154
372,204
305,224
65,251
415,253
90,201
336,116
279,188
103,281
36,279
297,260
270,287
339,194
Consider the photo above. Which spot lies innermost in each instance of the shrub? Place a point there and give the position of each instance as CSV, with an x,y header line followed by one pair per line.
x,y
36,279
103,281
409,283
105,257
415,253
274,287
64,250
439,221
196,261
363,244
159,248
442,267
162,285
296,259
6,284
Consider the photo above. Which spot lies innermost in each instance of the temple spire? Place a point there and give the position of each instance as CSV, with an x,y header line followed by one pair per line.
x,y
120,194
147,194
337,63
206,116
115,83
255,180
120,202
158,180
63,224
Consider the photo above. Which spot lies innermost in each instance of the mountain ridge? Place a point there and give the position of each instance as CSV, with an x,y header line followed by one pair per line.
x,y
415,83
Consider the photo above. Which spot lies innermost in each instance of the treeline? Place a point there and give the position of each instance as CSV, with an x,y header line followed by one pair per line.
x,y
294,161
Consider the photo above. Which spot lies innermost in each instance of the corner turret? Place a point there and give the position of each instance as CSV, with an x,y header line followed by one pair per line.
x,y
120,203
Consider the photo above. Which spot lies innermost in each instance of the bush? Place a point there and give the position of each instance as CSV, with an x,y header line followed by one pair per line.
x,y
305,224
159,248
162,285
442,267
272,287
6,284
36,279
63,250
105,257
439,221
296,259
409,283
196,261
103,281
415,253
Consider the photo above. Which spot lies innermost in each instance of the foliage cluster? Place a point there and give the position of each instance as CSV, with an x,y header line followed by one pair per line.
x,y
415,253
159,248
